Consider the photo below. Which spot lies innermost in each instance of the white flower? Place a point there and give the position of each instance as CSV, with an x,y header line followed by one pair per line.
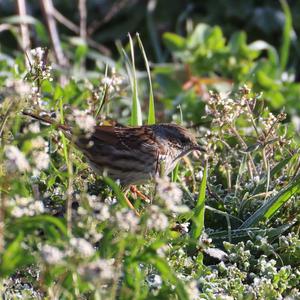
x,y
36,207
82,246
52,255
19,86
154,281
127,220
192,290
156,220
17,160
162,251
84,121
34,127
37,53
99,270
41,160
18,212
39,143
171,195
106,80
22,206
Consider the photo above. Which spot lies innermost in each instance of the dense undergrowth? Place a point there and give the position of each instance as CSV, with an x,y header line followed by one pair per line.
x,y
225,225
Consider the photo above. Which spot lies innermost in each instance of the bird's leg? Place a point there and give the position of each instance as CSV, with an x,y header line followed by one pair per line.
x,y
134,190
130,204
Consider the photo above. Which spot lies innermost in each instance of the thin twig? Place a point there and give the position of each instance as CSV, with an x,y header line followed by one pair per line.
x,y
250,162
25,36
83,15
114,10
73,27
47,7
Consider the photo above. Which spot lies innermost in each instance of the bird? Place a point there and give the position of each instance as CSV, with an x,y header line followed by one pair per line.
x,y
131,155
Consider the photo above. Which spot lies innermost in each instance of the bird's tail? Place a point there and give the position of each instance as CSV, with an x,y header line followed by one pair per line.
x,y
47,120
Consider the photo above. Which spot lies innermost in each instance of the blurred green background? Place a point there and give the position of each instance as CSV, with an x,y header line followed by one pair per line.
x,y
211,44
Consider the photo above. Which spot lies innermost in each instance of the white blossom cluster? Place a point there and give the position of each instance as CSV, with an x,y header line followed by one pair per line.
x,y
171,195
101,270
25,206
84,121
226,110
156,220
51,255
81,247
193,290
19,86
40,70
16,160
127,220
154,281
40,66
113,83
100,209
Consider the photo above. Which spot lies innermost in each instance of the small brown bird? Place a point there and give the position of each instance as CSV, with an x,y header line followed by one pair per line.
x,y
132,155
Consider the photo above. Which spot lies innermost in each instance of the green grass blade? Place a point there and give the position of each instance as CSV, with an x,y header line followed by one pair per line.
x,y
245,234
175,173
198,218
151,112
136,112
63,138
267,210
261,185
117,190
286,37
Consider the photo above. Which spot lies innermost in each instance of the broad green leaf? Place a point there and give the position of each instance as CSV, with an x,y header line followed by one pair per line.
x,y
174,42
198,36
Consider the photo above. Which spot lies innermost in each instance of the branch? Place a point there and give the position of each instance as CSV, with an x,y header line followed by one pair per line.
x,y
25,35
48,8
73,27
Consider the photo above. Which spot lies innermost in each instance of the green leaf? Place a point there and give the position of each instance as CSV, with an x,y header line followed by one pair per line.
x,y
198,218
286,36
19,20
267,210
198,36
40,221
239,235
174,42
151,112
14,256
136,113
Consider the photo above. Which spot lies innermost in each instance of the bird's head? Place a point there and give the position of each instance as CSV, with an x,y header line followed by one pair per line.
x,y
180,139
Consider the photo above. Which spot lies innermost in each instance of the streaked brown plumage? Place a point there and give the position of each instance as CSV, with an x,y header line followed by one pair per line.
x,y
132,155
